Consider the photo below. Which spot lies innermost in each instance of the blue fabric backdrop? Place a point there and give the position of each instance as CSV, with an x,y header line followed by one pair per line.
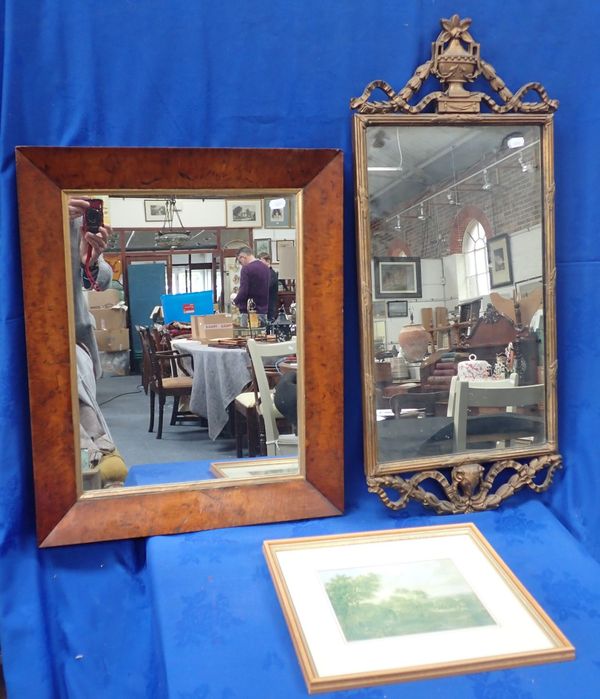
x,y
76,622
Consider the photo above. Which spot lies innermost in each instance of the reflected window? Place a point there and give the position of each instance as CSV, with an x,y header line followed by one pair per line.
x,y
191,273
477,281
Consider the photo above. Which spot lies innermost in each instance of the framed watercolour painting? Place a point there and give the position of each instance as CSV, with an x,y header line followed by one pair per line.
x,y
277,212
499,261
244,213
380,607
397,276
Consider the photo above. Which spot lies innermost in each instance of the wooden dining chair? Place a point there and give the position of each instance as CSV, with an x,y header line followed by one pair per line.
x,y
246,421
162,383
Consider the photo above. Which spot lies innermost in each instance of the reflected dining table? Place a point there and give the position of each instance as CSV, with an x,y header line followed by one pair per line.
x,y
219,375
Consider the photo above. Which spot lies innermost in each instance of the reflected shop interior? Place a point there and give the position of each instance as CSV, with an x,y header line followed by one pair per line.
x,y
194,386
457,262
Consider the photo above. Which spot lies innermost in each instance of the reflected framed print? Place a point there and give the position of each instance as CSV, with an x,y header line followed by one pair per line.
x,y
277,212
244,213
262,246
397,277
257,468
390,606
499,261
397,309
155,209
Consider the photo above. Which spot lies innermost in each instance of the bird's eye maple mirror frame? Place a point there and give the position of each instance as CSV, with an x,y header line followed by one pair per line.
x,y
64,513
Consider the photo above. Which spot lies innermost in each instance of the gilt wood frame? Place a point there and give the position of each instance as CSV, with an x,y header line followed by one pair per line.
x,y
330,662
65,514
456,61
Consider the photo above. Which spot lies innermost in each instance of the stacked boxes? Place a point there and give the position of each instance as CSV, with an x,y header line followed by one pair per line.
x,y
112,333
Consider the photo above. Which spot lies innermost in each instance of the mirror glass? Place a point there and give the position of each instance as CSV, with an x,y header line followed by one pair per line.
x,y
162,322
456,220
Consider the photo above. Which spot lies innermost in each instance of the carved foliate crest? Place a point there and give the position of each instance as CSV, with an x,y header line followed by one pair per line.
x,y
470,488
455,62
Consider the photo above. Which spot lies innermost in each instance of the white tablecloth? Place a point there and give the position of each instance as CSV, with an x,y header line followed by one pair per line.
x,y
219,375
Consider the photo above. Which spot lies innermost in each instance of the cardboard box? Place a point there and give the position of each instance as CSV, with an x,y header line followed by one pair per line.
x,y
104,299
212,327
109,318
112,340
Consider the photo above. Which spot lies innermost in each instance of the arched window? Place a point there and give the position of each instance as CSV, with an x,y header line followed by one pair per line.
x,y
476,261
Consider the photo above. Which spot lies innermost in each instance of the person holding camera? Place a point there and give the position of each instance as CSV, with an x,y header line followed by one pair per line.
x,y
89,238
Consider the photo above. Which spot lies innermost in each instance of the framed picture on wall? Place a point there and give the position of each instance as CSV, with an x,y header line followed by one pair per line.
x,y
277,211
244,213
397,309
281,244
499,261
155,209
397,276
390,606
379,312
262,245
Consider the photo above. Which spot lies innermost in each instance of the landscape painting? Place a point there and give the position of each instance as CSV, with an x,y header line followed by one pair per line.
x,y
403,599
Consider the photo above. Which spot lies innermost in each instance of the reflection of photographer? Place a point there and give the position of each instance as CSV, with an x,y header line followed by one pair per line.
x,y
89,237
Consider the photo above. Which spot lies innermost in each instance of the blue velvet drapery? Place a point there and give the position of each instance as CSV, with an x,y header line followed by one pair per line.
x,y
77,622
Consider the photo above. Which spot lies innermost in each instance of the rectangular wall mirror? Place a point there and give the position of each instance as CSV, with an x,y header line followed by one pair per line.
x,y
231,388
457,276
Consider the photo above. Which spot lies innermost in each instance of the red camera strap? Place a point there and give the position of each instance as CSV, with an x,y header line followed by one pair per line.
x,y
88,272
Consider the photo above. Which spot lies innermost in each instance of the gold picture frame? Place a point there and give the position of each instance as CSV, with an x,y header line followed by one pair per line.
x,y
256,468
459,608
244,213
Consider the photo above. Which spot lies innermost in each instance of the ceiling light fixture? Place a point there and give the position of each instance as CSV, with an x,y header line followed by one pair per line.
x,y
487,185
167,233
525,167
513,140
378,142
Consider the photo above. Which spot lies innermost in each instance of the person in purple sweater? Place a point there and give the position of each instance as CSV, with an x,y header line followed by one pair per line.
x,y
255,278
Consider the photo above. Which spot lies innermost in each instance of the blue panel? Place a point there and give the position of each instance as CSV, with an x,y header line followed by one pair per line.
x,y
182,306
146,284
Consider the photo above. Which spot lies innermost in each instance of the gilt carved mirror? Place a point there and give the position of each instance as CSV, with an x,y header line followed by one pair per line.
x,y
179,219
455,212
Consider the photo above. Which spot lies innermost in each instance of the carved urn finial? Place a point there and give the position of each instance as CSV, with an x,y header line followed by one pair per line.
x,y
455,62
456,56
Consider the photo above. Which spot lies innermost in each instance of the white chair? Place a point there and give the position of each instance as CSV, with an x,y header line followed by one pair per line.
x,y
276,444
468,395
513,380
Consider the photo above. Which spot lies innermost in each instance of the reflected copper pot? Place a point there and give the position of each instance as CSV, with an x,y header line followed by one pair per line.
x,y
414,340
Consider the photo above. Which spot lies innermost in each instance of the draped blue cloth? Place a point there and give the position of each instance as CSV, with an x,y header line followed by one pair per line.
x,y
82,621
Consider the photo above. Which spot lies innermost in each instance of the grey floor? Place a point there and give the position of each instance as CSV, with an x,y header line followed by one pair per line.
x,y
127,410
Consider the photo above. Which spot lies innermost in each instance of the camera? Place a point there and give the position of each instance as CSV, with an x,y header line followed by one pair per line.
x,y
93,217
